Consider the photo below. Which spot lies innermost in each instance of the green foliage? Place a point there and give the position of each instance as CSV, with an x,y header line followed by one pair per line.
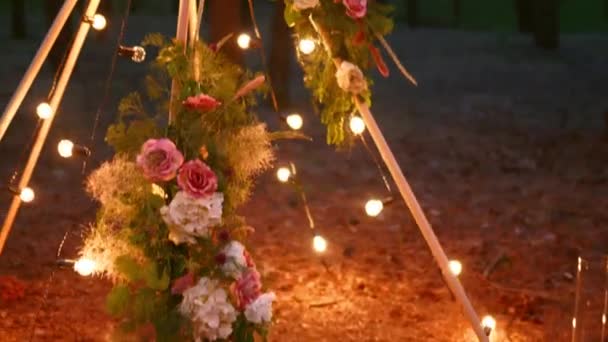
x,y
346,39
131,237
117,300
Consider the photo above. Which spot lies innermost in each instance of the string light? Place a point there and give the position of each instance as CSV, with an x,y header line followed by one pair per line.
x,y
44,110
283,174
357,125
136,53
294,121
67,148
98,22
455,267
319,244
244,41
374,207
84,267
307,46
26,194
488,323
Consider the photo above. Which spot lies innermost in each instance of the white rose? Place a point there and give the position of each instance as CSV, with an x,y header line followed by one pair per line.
x,y
300,5
235,259
350,78
207,305
189,217
260,310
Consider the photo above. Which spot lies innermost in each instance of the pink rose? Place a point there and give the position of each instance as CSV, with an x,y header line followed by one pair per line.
x,y
201,103
159,159
355,9
197,179
247,288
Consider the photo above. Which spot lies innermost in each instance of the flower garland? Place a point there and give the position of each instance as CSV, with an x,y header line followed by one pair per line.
x,y
167,233
349,30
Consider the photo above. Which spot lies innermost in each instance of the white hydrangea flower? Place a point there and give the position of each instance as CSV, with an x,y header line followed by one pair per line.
x,y
300,5
189,217
350,78
260,310
207,305
235,262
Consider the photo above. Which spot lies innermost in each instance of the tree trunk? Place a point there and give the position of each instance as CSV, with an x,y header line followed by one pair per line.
x,y
51,8
280,55
546,20
18,19
412,13
225,18
524,10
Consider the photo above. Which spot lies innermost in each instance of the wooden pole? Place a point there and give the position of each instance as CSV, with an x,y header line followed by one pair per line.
x,y
34,68
411,201
70,62
420,218
181,36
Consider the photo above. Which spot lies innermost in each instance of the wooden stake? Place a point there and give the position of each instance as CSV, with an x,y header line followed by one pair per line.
x,y
410,200
181,36
420,218
34,68
70,62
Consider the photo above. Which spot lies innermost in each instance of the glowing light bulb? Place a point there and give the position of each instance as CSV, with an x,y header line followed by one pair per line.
x,y
99,22
488,324
306,46
294,121
374,207
283,174
243,41
27,195
65,148
44,110
84,267
319,244
455,267
357,125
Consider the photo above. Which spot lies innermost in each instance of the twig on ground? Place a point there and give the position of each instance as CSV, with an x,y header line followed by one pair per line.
x,y
325,303
495,262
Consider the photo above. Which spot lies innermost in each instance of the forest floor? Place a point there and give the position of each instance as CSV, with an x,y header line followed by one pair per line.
x,y
504,145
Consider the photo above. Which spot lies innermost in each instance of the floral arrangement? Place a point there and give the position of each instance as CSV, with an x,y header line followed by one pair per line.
x,y
348,30
167,233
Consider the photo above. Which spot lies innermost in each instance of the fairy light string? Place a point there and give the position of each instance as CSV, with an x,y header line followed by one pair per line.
x,y
258,35
108,83
294,121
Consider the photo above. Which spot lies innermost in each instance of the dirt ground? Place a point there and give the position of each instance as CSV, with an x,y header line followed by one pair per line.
x,y
505,147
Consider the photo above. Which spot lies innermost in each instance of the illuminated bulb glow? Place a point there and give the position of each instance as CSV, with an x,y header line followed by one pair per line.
x,y
27,195
306,46
604,319
373,207
84,267
489,324
99,22
294,121
319,244
574,322
136,53
455,267
357,126
65,148
243,41
44,110
283,174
